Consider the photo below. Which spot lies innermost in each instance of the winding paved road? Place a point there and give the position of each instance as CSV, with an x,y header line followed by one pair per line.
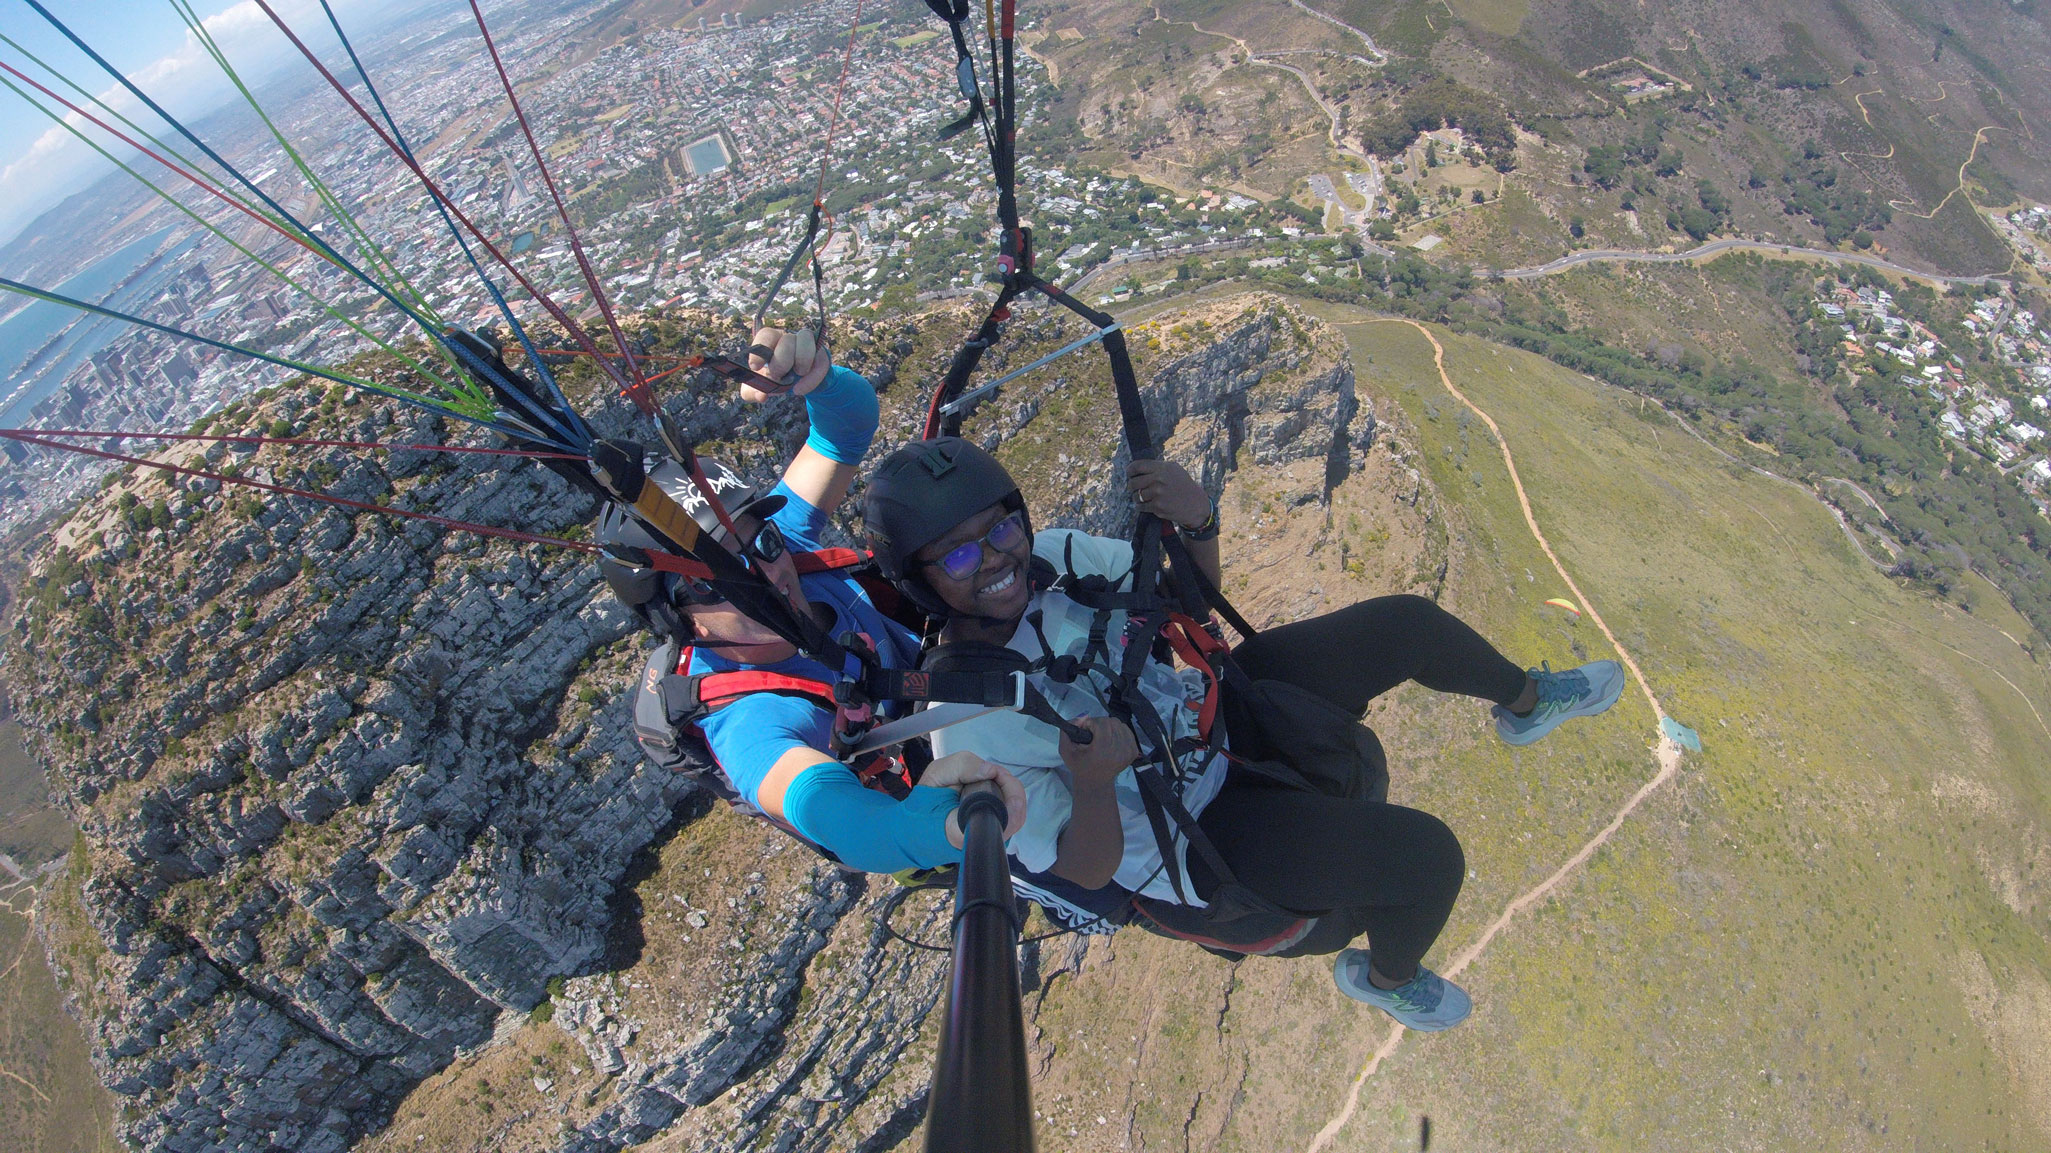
x,y
1715,246
1357,221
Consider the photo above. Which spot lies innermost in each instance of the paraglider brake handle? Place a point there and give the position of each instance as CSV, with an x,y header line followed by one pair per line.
x,y
763,351
766,354
735,370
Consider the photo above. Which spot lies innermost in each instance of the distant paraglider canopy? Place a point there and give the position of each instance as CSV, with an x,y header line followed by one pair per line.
x,y
1572,610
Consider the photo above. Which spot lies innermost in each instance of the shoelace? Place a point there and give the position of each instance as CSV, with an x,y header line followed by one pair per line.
x,y
1559,688
1417,995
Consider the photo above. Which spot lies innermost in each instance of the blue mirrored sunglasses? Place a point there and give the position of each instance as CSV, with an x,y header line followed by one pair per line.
x,y
966,560
767,545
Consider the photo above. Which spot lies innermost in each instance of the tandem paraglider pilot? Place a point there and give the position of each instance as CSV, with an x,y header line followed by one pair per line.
x,y
729,700
1234,801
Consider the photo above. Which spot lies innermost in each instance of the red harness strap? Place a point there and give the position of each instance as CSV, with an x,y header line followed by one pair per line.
x,y
1196,646
717,690
823,560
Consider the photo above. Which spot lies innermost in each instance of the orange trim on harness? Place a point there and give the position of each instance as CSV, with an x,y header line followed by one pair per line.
x,y
1289,935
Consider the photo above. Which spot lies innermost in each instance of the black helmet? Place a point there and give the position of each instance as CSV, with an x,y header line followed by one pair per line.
x,y
619,532
920,492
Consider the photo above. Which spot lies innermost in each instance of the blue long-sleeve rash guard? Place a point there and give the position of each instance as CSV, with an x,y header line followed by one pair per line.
x,y
843,412
826,804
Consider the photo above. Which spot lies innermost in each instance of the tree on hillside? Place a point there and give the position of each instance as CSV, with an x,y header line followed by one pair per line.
x,y
1604,165
1441,103
1699,222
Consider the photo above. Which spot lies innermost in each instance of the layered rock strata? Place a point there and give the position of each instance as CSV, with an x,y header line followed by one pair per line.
x,y
357,790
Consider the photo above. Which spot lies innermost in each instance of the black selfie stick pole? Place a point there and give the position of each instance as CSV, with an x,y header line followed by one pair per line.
x,y
982,1094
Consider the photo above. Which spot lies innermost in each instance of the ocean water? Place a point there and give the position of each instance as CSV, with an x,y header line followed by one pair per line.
x,y
29,330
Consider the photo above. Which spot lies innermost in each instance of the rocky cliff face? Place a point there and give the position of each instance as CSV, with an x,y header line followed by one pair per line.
x,y
360,793
1249,383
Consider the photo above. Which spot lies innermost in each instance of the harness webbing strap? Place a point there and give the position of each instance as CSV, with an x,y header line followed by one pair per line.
x,y
993,688
1193,580
964,364
1149,777
718,689
1197,649
1157,792
822,560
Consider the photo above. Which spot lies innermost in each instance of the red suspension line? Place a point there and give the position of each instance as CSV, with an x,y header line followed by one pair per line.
x,y
612,355
847,60
635,386
651,379
299,441
286,490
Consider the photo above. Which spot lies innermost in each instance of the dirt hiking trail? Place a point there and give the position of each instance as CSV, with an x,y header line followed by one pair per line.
x,y
1666,753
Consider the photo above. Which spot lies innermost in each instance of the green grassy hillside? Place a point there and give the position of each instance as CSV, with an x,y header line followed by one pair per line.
x,y
1824,932
50,1099
1829,926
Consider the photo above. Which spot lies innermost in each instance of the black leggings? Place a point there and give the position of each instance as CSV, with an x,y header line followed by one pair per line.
x,y
1352,656
1371,867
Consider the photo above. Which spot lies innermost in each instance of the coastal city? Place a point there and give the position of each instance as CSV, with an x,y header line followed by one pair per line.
x,y
688,159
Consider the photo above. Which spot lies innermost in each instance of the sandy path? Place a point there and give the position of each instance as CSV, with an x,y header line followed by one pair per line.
x,y
1666,752
1979,138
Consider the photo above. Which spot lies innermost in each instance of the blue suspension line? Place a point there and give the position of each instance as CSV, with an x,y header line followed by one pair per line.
x,y
578,429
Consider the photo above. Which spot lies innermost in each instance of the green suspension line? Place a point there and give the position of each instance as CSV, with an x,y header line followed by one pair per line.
x,y
325,306
373,255
487,415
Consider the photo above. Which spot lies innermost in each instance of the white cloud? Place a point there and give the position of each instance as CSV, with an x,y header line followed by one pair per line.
x,y
187,83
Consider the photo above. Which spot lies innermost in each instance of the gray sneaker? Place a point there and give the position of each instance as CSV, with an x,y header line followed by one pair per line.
x,y
1428,1003
1581,692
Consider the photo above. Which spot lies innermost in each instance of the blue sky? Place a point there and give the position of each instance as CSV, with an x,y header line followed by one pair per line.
x,y
130,35
40,164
